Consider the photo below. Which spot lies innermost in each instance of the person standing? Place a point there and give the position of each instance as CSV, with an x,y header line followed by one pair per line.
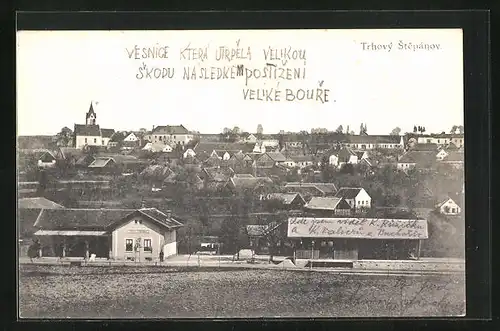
x,y
161,255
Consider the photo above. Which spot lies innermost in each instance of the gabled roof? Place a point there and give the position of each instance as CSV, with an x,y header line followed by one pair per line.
x,y
38,203
170,129
101,162
218,174
107,133
423,158
276,156
348,192
87,130
118,137
324,203
103,219
325,188
286,198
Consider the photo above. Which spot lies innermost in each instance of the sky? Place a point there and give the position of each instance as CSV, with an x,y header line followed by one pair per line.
x,y
59,73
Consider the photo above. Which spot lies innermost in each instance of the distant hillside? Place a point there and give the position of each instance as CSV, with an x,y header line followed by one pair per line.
x,y
34,142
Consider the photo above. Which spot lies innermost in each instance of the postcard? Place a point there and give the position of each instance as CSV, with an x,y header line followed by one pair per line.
x,y
240,173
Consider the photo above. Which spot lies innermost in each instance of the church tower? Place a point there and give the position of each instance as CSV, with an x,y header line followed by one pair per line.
x,y
90,116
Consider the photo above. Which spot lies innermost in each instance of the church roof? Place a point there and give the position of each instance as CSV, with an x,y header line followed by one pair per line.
x,y
87,130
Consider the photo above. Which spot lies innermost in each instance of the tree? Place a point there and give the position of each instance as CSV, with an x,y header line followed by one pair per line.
x,y
415,129
363,129
460,129
65,137
396,131
454,129
260,130
347,131
281,142
340,129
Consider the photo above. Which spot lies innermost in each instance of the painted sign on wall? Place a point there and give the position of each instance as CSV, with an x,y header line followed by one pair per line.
x,y
366,228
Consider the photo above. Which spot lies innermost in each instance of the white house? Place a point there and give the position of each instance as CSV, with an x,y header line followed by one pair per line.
x,y
189,153
442,139
357,197
441,154
333,160
176,134
251,139
131,137
448,207
367,142
158,148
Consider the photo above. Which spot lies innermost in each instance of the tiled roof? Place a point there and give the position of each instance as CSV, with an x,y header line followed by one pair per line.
x,y
38,203
107,133
120,158
84,160
302,158
424,158
170,129
218,174
209,147
118,137
454,156
348,192
100,162
323,187
425,147
95,219
160,217
243,176
286,198
156,170
374,139
322,203
250,182
276,156
87,130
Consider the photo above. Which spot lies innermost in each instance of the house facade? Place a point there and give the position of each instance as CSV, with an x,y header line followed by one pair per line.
x,y
176,134
368,142
448,207
118,234
356,197
442,139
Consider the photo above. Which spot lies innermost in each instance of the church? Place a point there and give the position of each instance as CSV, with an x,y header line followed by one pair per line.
x,y
90,133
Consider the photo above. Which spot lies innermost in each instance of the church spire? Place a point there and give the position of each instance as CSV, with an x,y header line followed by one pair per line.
x,y
91,115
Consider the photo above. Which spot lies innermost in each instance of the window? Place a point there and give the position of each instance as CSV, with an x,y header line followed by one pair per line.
x,y
129,245
85,140
147,245
95,140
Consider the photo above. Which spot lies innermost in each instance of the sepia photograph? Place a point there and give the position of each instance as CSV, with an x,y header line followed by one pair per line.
x,y
240,173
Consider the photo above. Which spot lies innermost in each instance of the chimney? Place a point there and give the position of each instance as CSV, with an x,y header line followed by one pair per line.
x,y
169,214
153,128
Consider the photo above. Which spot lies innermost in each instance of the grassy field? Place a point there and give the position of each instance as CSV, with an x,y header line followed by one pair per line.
x,y
160,292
